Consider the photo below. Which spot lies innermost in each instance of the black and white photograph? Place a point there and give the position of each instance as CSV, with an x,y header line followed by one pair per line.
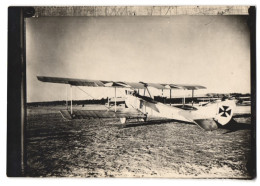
x,y
138,92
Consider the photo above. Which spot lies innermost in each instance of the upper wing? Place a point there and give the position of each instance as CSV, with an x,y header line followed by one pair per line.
x,y
91,83
188,87
101,83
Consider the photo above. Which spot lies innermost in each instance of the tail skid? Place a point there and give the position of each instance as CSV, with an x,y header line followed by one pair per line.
x,y
206,124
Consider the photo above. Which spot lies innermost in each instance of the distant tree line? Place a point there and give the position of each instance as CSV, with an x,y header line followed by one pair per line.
x,y
74,102
156,98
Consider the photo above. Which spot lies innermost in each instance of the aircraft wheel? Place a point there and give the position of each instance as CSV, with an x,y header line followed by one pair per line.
x,y
145,119
123,120
141,119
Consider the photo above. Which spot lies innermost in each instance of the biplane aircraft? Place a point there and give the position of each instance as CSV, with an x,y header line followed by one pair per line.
x,y
208,116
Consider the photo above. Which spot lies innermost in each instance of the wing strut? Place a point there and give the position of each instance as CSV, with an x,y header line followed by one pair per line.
x,y
149,92
67,97
192,93
71,99
115,99
170,96
184,99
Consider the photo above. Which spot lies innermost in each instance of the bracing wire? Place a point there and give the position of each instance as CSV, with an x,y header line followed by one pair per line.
x,y
120,91
90,95
85,92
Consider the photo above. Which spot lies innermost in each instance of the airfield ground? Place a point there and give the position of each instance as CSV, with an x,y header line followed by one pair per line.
x,y
106,148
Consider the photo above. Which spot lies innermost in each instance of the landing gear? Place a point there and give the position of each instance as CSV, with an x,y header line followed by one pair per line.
x,y
123,120
145,119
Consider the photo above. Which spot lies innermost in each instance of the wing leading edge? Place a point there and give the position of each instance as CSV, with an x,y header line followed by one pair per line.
x,y
119,84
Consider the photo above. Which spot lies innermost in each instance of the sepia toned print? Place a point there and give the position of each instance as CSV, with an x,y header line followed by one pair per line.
x,y
159,92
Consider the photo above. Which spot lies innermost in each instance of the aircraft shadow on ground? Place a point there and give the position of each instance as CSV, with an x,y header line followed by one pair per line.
x,y
152,122
234,126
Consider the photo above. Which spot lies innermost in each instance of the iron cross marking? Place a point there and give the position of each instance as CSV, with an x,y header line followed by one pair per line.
x,y
225,112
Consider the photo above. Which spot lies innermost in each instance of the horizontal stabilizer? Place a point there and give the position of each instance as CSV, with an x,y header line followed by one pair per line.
x,y
207,124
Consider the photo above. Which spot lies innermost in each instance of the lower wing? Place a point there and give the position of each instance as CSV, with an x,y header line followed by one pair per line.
x,y
85,114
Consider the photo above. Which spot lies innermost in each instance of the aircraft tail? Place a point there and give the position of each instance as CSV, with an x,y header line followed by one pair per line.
x,y
225,111
209,116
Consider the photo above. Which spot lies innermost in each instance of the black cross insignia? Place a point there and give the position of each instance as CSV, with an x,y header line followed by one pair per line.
x,y
224,112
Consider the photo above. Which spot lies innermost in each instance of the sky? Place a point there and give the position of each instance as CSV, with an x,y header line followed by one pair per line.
x,y
212,51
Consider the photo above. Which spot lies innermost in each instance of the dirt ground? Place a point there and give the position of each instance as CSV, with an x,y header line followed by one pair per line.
x,y
158,148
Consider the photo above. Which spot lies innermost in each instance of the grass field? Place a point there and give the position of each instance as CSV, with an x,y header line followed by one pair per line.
x,y
106,148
